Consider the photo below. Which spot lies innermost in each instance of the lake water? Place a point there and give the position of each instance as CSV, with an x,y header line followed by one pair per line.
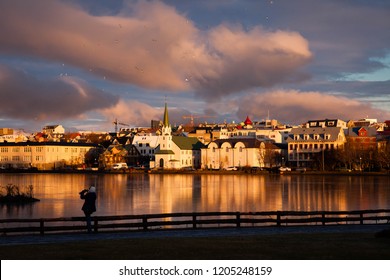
x,y
126,194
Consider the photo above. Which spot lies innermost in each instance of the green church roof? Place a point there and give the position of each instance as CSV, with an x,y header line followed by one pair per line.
x,y
187,143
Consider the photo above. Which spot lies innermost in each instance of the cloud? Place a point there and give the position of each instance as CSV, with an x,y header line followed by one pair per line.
x,y
25,97
138,114
254,58
132,113
152,45
296,106
344,35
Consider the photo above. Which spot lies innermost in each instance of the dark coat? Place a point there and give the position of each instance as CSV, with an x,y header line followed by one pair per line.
x,y
89,204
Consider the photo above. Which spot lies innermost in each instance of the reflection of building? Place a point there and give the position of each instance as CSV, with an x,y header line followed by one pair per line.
x,y
44,156
176,152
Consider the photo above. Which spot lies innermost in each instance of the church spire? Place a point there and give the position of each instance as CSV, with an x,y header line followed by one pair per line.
x,y
166,119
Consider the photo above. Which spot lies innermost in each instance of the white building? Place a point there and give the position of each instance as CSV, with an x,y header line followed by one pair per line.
x,y
239,152
53,129
176,152
146,144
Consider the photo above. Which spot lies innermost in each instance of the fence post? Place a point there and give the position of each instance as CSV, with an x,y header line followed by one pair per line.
x,y
323,219
193,220
361,218
278,218
145,222
238,219
95,224
42,227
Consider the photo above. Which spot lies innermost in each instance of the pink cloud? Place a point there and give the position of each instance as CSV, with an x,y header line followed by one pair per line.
x,y
151,45
297,107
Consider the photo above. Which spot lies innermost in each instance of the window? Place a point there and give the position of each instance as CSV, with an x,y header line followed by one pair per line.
x,y
26,158
15,158
296,136
4,158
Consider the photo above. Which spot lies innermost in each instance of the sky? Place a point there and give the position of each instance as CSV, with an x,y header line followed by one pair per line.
x,y
85,64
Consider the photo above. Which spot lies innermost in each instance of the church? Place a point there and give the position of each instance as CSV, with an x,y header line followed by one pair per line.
x,y
176,152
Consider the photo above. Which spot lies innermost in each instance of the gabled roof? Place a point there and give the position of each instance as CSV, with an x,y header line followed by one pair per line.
x,y
333,132
354,131
187,143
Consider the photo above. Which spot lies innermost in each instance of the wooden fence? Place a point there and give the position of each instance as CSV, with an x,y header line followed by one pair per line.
x,y
194,221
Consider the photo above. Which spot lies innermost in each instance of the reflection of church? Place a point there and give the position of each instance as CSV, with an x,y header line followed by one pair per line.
x,y
175,152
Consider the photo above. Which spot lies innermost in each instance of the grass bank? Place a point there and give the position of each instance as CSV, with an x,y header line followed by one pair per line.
x,y
307,246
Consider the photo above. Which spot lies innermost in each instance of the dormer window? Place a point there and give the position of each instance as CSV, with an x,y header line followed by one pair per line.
x,y
316,137
296,137
327,136
306,137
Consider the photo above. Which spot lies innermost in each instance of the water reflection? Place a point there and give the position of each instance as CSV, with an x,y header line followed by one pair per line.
x,y
122,194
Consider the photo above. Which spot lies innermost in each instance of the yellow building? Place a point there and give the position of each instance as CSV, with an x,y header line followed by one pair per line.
x,y
43,155
306,143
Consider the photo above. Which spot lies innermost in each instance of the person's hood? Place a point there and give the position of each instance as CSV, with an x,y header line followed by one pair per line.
x,y
92,189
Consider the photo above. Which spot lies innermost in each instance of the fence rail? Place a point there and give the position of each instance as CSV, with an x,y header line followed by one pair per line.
x,y
194,220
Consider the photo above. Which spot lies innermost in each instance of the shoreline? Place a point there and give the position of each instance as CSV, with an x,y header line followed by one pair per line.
x,y
200,172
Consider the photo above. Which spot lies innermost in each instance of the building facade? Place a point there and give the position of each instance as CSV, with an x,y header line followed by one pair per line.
x,y
43,155
239,152
306,143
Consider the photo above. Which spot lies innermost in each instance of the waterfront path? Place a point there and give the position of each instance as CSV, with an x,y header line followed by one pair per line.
x,y
214,232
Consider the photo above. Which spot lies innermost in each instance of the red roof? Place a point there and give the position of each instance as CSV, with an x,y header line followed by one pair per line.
x,y
248,121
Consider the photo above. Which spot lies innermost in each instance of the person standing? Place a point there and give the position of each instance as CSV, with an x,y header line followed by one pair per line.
x,y
89,205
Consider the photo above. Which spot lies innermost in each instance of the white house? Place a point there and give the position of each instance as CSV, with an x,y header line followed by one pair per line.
x,y
53,129
146,144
